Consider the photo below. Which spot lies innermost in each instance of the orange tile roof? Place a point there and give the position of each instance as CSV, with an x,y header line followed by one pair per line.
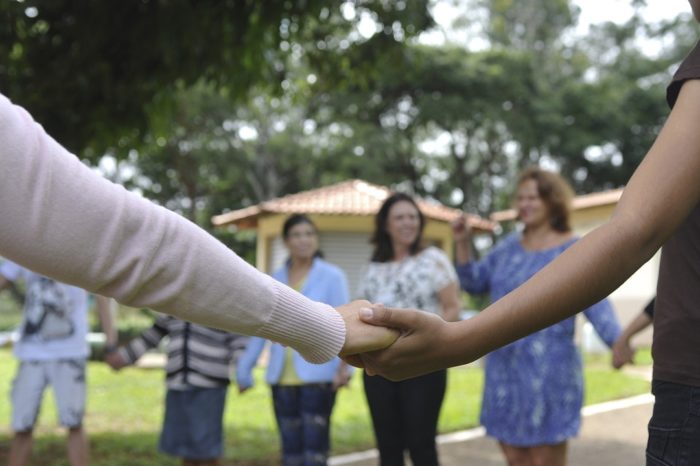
x,y
353,197
585,201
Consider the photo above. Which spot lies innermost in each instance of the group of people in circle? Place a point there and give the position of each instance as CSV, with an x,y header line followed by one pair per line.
x,y
61,220
533,390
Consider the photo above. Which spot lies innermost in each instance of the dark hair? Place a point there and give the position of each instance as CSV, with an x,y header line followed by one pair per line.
x,y
294,220
555,192
383,249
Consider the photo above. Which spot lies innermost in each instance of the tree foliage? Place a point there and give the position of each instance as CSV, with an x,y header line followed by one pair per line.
x,y
218,105
86,70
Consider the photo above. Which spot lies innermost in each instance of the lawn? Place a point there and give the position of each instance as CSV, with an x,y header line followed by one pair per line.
x,y
124,412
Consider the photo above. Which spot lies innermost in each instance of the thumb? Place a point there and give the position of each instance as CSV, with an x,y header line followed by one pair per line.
x,y
388,317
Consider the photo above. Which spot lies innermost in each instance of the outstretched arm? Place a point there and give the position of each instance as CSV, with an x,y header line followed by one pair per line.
x,y
64,221
623,352
660,195
104,310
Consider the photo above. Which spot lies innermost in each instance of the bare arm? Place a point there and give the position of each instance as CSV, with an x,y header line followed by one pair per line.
x,y
449,302
638,324
461,232
62,220
659,196
104,310
623,352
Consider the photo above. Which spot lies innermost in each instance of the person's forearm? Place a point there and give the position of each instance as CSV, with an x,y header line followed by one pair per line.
x,y
451,314
601,261
571,283
638,324
104,310
463,251
449,302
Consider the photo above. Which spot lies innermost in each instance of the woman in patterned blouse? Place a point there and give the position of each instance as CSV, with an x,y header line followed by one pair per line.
x,y
534,387
404,273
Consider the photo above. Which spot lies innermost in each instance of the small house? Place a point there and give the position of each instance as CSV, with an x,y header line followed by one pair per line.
x,y
344,215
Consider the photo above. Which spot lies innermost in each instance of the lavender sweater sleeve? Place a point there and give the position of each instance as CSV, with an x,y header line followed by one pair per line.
x,y
60,219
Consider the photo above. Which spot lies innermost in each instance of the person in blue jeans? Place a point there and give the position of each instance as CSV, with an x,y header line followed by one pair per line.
x,y
303,393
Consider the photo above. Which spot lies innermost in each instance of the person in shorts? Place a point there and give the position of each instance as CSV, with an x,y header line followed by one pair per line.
x,y
197,376
52,349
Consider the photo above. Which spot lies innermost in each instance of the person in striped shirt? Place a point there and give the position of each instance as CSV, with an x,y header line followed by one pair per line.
x,y
198,372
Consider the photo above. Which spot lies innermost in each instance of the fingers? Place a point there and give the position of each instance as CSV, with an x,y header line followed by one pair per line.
x,y
354,360
622,353
402,319
360,336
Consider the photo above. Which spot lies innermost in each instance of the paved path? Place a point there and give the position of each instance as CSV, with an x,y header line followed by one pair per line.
x,y
613,434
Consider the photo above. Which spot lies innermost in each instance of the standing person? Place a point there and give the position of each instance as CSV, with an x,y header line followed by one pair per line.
x,y
659,207
52,350
303,394
63,221
533,389
623,353
405,273
197,379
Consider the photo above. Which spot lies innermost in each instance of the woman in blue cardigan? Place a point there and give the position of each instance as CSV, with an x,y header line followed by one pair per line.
x,y
303,393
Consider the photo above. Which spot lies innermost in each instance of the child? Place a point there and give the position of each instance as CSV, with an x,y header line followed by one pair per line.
x,y
197,377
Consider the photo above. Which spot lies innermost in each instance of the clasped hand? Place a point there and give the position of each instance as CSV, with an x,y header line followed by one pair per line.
x,y
397,343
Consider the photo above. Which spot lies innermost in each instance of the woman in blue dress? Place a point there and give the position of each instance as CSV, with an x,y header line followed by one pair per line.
x,y
533,390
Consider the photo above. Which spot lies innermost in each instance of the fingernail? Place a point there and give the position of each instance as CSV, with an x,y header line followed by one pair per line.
x,y
366,312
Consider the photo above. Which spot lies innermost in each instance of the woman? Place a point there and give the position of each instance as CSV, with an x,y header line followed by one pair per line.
x,y
404,273
303,393
533,390
62,220
659,207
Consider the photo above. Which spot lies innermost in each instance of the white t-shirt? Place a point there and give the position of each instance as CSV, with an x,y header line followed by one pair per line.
x,y
54,323
413,282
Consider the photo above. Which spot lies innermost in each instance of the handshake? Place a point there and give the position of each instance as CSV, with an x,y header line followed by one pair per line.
x,y
402,343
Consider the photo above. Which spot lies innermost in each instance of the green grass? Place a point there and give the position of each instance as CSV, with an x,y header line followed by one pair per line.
x,y
125,409
643,357
10,312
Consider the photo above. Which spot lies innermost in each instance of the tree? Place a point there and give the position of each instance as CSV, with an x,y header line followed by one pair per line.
x,y
88,70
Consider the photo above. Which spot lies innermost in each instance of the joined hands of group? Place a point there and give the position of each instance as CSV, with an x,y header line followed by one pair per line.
x,y
396,343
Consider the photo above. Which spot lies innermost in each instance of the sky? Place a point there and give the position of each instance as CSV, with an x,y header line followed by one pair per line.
x,y
592,12
595,11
